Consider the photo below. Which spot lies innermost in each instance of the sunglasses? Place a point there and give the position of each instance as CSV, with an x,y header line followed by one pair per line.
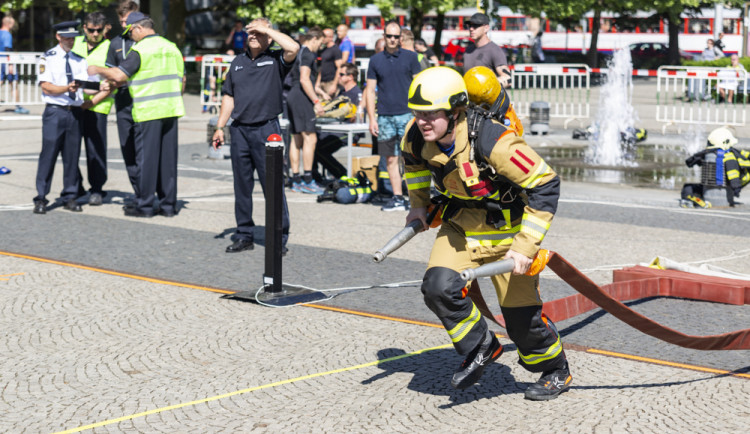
x,y
94,30
392,36
342,74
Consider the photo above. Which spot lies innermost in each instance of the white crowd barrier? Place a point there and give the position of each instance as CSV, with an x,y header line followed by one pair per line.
x,y
566,87
214,70
18,72
690,94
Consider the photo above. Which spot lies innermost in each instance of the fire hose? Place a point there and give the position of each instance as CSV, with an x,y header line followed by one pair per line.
x,y
737,340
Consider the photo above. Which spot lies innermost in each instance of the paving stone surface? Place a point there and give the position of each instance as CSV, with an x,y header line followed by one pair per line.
x,y
84,347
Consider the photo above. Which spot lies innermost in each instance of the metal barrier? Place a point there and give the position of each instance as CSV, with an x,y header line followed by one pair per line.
x,y
18,72
566,87
687,95
214,70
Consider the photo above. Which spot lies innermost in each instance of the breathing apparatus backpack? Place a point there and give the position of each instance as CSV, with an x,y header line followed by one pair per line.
x,y
348,190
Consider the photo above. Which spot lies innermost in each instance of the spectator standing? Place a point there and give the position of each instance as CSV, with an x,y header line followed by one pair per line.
x,y
485,52
237,38
93,47
256,75
330,62
421,46
711,52
118,51
345,44
379,46
304,105
7,72
537,52
392,71
60,75
156,71
407,43
718,43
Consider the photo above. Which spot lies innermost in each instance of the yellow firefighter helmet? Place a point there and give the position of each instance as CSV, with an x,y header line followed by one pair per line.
x,y
483,86
437,88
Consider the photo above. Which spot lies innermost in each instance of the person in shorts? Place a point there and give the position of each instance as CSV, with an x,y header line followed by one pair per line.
x,y
391,72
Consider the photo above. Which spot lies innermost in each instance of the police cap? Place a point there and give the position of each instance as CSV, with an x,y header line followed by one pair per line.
x,y
133,18
67,29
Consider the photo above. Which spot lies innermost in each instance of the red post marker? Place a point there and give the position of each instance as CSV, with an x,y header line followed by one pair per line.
x,y
273,138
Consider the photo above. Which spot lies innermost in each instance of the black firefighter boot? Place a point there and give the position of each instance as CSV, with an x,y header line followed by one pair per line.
x,y
551,384
472,367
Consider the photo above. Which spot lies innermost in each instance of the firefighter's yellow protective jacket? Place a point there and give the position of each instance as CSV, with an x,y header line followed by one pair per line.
x,y
522,192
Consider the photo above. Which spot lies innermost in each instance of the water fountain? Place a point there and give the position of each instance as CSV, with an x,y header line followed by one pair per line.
x,y
610,144
612,155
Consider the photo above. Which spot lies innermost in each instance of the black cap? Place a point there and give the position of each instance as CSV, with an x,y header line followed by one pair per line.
x,y
67,29
479,19
134,17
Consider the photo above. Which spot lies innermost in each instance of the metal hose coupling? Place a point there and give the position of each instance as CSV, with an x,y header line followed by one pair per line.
x,y
506,266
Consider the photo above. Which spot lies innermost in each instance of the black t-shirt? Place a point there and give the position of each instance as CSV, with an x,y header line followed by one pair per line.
x,y
256,85
304,58
354,94
119,50
328,63
428,53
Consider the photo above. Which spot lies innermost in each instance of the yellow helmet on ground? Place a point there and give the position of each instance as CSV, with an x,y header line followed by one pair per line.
x,y
483,86
722,138
437,88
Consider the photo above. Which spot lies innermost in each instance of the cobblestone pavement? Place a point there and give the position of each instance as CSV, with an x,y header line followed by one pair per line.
x,y
115,352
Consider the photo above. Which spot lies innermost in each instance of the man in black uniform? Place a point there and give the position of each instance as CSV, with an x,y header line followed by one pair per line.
x,y
252,96
118,52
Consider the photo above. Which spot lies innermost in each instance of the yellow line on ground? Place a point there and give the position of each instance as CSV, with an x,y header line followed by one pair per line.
x,y
666,363
14,274
117,273
252,389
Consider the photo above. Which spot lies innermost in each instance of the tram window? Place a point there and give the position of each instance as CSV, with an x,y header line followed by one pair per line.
x,y
430,23
699,25
607,26
451,23
515,23
648,26
372,22
556,27
730,26
356,23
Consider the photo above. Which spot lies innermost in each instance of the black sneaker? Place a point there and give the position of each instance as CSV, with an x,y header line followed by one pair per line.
x,y
550,385
397,203
472,367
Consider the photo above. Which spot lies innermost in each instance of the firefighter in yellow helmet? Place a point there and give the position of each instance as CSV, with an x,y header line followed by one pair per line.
x,y
498,198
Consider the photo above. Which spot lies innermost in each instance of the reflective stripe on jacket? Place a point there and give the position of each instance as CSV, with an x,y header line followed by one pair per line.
x,y
156,87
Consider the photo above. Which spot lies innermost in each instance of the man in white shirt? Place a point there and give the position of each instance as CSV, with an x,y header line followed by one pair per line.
x,y
62,76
